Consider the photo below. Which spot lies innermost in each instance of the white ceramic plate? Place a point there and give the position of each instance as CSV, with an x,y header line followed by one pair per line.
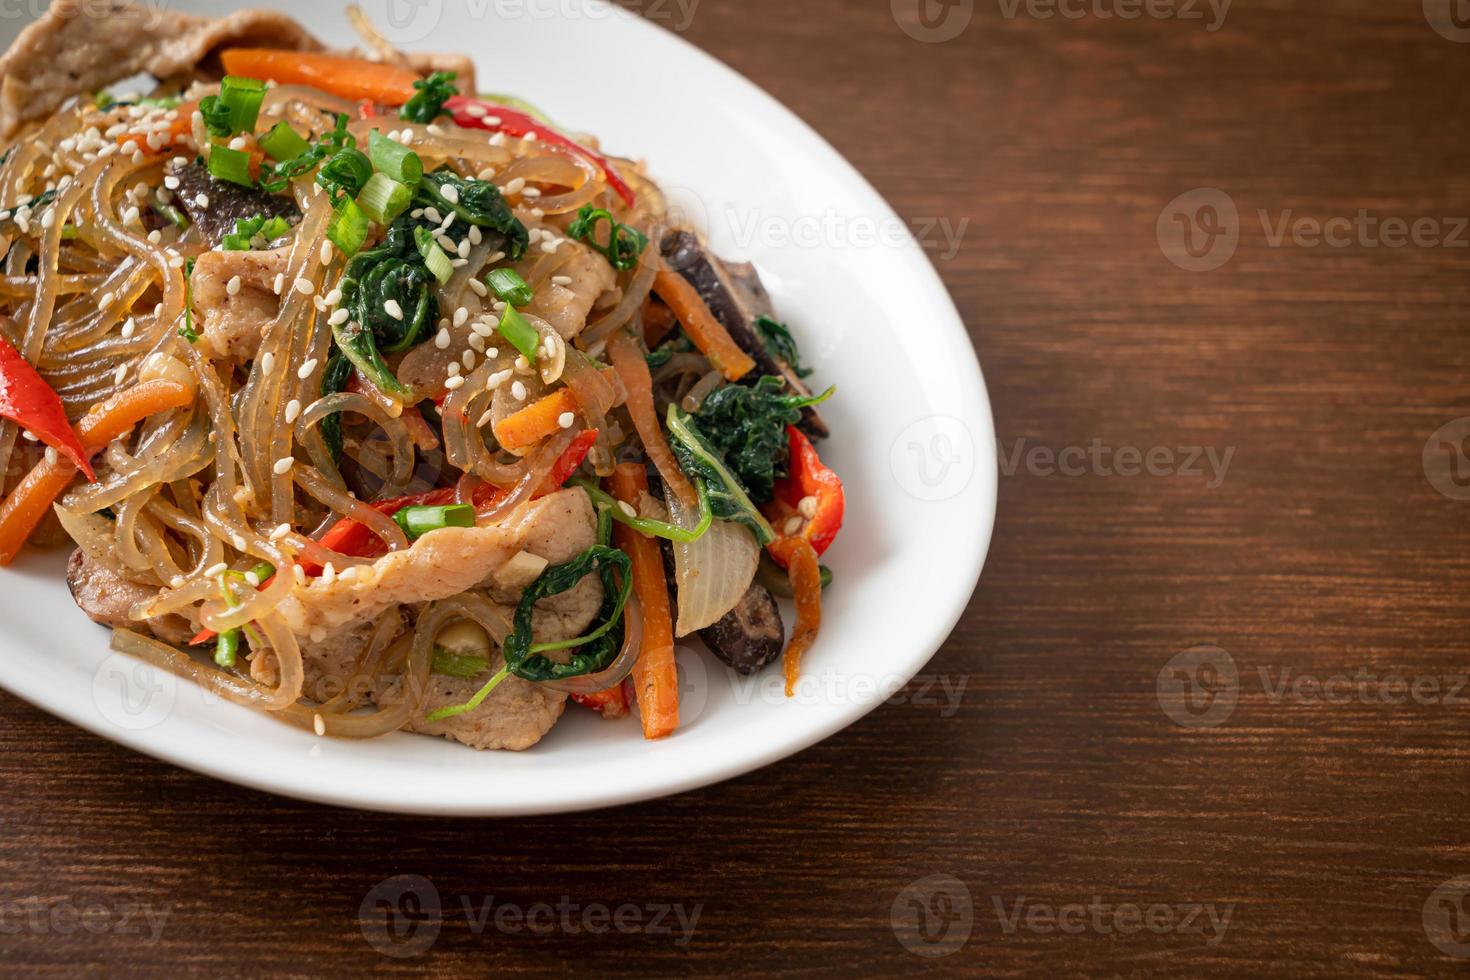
x,y
913,442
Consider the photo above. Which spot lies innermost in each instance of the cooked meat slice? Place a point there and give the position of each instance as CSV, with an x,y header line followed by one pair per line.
x,y
737,299
228,203
81,46
565,307
749,636
446,563
106,596
515,716
230,326
328,663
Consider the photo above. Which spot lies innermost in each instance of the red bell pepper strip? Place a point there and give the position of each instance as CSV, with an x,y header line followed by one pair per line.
x,y
28,401
518,124
808,477
348,537
612,703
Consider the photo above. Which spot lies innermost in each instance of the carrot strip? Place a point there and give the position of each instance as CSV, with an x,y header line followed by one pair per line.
x,y
806,582
628,361
351,78
658,321
712,339
30,500
536,421
655,675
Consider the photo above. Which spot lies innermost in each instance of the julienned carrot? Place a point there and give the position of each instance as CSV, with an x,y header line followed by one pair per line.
x,y
658,321
632,368
707,333
536,421
806,582
351,78
29,501
655,675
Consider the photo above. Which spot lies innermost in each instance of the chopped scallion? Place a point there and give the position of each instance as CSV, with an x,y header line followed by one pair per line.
x,y
522,336
418,521
284,143
395,159
434,258
349,228
242,97
457,664
227,649
384,198
231,165
509,286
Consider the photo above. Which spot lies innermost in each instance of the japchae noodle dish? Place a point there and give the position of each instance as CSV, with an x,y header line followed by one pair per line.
x,y
378,403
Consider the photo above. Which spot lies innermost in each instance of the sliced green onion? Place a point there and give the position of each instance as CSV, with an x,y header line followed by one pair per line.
x,y
284,143
434,258
395,159
231,165
418,521
509,286
522,336
457,665
346,172
604,501
384,198
264,571
227,649
349,228
242,97
275,227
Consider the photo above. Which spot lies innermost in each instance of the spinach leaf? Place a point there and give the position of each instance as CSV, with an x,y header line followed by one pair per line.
x,y
624,242
475,202
596,650
379,282
334,379
704,465
427,103
781,344
746,426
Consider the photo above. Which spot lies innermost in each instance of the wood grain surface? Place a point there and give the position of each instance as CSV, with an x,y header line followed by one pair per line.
x,y
1100,804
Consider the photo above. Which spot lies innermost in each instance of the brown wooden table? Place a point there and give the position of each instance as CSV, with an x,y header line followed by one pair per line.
x,y
1103,800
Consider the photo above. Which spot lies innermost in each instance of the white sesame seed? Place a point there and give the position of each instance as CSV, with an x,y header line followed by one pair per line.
x,y
214,570
329,574
451,193
566,420
476,235
531,193
486,419
627,508
51,455
305,286
325,253
283,465
483,329
433,215
177,582
807,507
550,247
280,532
29,436
518,391
453,369
252,579
338,318
476,111
793,525
201,199
468,360
171,182
441,339
120,374
454,383
306,369
461,316
515,186
155,236
106,299
128,327
391,307
293,410
477,343
334,298
299,574
233,286
319,303
279,284
319,725
479,288
562,280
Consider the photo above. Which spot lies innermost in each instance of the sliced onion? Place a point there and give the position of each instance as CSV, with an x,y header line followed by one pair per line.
x,y
712,573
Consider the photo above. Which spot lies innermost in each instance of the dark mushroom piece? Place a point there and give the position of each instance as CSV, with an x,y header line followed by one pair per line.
x,y
750,636
737,298
227,203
